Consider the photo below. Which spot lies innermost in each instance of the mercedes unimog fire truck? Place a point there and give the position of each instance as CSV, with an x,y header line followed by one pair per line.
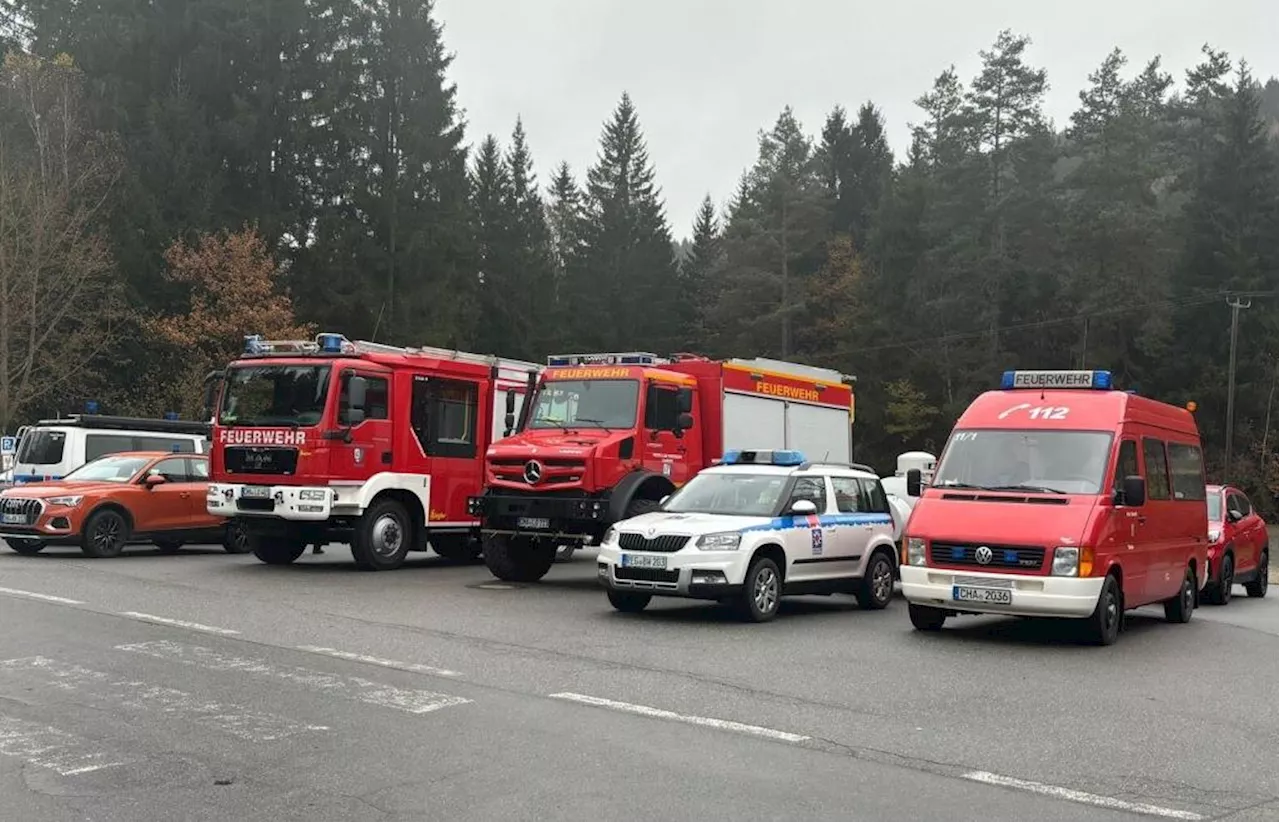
x,y
372,445
606,437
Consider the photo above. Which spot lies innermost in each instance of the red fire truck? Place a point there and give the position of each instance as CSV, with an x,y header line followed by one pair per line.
x,y
608,436
328,440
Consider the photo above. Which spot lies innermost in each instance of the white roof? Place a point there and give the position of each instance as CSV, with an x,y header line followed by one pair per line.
x,y
835,470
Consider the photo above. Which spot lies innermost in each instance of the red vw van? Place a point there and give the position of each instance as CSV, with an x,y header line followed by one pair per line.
x,y
1059,496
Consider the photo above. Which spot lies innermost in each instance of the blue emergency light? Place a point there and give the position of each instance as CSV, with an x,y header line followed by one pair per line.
x,y
171,415
630,358
91,407
1093,380
767,457
330,343
253,344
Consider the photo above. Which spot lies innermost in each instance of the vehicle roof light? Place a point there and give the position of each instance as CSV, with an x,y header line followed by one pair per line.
x,y
630,358
765,457
1095,380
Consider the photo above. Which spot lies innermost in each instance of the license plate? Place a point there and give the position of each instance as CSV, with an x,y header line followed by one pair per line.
x,y
14,519
536,523
256,492
990,596
643,561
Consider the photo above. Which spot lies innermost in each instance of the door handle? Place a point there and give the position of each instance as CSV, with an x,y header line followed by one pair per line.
x,y
185,495
1142,519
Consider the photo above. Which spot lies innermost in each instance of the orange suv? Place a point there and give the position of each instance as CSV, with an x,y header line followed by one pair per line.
x,y
116,500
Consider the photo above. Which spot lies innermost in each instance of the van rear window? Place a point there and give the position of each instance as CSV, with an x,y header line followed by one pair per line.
x,y
41,447
1186,471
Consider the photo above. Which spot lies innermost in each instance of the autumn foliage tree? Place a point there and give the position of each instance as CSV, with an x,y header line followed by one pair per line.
x,y
235,290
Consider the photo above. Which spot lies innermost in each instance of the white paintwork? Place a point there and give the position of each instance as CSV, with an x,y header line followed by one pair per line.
x,y
74,447
1079,796
179,623
47,747
1033,595
412,667
658,713
43,597
819,432
340,498
410,700
752,421
111,692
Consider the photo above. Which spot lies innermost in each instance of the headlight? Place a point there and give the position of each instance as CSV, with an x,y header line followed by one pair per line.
x,y
313,494
1066,561
915,551
610,536
68,502
1215,534
720,542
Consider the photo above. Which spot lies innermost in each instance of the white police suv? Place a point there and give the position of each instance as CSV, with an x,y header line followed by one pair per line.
x,y
756,527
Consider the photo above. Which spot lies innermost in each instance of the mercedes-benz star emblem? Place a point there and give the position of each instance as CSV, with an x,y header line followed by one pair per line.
x,y
532,471
982,555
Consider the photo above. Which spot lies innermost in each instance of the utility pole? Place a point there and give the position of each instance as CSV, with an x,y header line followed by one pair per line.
x,y
1236,304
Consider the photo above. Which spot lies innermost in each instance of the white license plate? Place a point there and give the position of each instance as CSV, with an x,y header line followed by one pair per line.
x,y
536,523
989,596
14,519
643,561
256,492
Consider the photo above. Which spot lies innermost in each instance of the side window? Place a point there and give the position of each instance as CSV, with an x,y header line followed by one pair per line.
x,y
376,399
660,408
1157,468
99,445
813,489
877,502
444,416
198,470
1240,503
177,446
173,470
848,495
1186,471
1126,465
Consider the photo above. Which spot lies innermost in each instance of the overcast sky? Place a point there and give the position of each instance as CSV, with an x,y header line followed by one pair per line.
x,y
707,75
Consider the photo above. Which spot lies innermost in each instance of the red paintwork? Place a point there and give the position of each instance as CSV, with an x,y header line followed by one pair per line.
x,y
1247,537
1150,545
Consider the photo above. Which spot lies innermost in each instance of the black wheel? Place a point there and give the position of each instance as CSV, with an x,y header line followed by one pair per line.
x,y
456,547
761,591
169,546
876,588
1219,592
1180,607
924,618
1104,625
1258,586
236,539
382,536
105,534
26,547
642,506
627,602
518,559
275,550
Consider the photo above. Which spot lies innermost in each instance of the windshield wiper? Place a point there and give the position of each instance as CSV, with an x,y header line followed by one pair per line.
x,y
556,423
599,423
1039,489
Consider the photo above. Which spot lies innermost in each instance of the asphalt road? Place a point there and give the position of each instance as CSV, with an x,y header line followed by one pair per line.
x,y
204,686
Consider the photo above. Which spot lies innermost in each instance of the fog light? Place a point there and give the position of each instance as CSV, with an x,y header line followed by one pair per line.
x,y
602,570
709,578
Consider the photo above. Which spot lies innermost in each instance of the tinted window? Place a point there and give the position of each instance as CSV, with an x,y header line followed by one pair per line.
x,y
376,398
444,416
1186,471
1239,502
848,495
198,470
274,395
1157,468
1126,465
41,447
813,489
99,445
877,502
661,409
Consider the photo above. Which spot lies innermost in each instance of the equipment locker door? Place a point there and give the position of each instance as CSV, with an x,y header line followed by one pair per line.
x,y
819,432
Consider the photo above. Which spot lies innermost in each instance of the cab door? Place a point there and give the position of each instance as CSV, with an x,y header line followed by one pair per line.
x,y
1125,534
444,416
810,543
668,448
369,451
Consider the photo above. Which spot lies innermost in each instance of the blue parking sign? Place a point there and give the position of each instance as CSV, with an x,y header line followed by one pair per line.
x,y
8,445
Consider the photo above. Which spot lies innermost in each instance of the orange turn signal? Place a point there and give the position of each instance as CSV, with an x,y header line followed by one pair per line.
x,y
1191,406
1086,561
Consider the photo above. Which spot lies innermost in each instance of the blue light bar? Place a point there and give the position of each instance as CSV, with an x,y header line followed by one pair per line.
x,y
629,358
171,415
91,407
1094,380
766,457
330,343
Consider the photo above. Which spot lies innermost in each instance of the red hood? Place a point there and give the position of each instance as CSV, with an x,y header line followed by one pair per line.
x,y
1006,523
62,488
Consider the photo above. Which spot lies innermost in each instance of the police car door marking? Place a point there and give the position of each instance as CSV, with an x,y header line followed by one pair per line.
x,y
817,541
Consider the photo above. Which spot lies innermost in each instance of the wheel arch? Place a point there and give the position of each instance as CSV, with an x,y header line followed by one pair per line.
x,y
774,551
109,505
642,484
412,504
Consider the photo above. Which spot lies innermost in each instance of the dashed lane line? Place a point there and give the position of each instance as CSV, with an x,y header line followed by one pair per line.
x,y
178,623
411,667
43,597
658,713
1079,796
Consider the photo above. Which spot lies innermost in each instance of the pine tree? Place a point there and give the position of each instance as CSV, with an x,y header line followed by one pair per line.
x,y
697,272
565,223
533,277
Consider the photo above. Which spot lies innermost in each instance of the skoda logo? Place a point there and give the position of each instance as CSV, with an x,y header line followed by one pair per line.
x,y
982,555
652,530
532,472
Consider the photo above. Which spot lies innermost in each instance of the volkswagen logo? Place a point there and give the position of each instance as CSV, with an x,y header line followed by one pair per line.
x,y
982,555
532,472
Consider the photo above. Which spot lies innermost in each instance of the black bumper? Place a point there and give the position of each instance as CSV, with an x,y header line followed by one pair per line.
x,y
18,533
578,516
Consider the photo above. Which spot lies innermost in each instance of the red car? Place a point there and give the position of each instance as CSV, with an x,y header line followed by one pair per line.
x,y
1238,550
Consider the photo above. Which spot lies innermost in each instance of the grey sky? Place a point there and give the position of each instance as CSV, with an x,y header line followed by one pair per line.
x,y
706,75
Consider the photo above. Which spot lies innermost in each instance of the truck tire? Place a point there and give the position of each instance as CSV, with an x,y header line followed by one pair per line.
x,y
275,551
518,559
642,506
456,547
382,536
105,534
236,539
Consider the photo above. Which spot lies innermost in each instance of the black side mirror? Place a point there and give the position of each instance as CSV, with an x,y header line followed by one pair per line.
x,y
1133,491
684,402
509,419
684,421
914,481
357,393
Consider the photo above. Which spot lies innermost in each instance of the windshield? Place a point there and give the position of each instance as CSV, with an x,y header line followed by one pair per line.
x,y
41,447
747,495
1054,462
274,395
586,404
108,469
1214,502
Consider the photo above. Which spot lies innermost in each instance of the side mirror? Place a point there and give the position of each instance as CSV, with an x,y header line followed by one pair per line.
x,y
662,502
357,393
511,402
152,480
684,421
804,506
914,482
1235,514
684,401
1133,491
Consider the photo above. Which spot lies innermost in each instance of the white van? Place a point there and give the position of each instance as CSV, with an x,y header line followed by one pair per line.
x,y
51,449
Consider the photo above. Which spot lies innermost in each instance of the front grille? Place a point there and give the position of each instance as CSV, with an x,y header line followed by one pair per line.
x,y
255,504
645,574
1002,556
28,509
253,460
665,544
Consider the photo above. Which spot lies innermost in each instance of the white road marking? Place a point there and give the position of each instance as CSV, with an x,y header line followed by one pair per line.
x,y
411,700
241,722
179,623
658,713
412,667
1079,796
46,597
51,748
